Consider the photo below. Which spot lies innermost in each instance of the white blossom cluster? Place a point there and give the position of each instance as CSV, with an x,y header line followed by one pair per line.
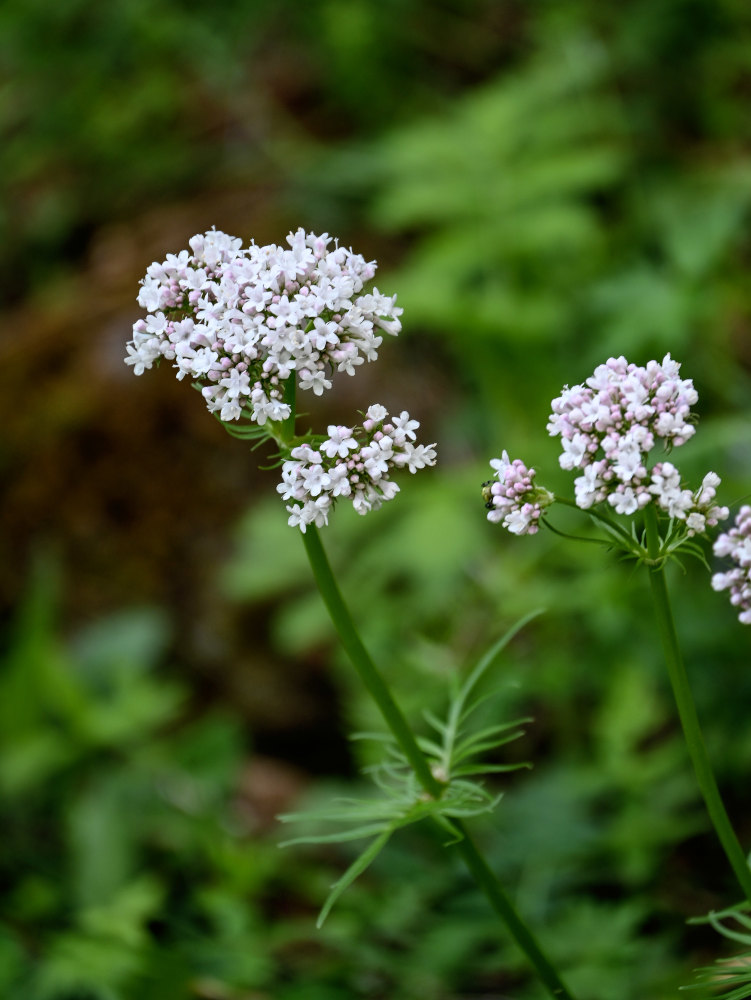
x,y
514,500
736,543
240,321
353,463
608,427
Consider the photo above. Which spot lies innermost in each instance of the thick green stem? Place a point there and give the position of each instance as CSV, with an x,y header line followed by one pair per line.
x,y
362,662
487,881
399,727
687,709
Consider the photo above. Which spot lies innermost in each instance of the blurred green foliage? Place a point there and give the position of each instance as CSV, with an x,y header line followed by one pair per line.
x,y
556,182
129,872
105,111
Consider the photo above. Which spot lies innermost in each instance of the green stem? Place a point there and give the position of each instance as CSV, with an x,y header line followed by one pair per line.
x,y
603,518
487,881
687,709
399,727
362,662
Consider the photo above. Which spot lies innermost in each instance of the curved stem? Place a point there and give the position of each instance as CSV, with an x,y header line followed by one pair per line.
x,y
687,709
603,518
371,677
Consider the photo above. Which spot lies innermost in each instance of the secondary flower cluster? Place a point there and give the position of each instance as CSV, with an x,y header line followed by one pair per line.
x,y
736,543
240,321
608,426
513,499
354,463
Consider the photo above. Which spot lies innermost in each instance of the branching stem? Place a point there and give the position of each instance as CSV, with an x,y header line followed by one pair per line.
x,y
378,689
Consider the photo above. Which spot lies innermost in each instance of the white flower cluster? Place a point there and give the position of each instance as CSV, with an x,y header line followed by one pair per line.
x,y
736,543
608,427
354,463
514,500
240,321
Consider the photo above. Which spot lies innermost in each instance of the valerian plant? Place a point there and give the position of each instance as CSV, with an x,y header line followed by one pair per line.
x,y
456,755
249,327
616,430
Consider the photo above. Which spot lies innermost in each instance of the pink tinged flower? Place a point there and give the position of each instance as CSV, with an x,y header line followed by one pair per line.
x,y
340,442
514,500
236,383
499,465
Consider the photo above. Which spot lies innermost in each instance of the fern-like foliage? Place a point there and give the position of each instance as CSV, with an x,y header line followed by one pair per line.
x,y
457,757
728,978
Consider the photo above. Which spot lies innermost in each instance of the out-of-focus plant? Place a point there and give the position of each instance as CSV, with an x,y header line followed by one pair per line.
x,y
728,978
197,98
124,871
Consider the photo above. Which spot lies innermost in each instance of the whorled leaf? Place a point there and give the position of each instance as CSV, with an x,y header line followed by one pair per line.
x,y
728,978
455,758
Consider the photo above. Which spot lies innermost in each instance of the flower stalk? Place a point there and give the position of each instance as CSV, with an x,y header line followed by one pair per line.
x,y
395,720
687,709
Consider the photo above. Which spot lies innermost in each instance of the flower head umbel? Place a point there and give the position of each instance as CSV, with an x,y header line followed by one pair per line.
x,y
353,463
239,321
609,427
736,543
514,500
248,326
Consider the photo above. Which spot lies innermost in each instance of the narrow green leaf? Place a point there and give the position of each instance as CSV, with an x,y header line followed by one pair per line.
x,y
355,869
435,722
429,746
357,833
480,748
489,769
490,657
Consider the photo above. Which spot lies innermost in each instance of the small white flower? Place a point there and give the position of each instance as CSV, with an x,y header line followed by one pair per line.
x,y
377,413
340,442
